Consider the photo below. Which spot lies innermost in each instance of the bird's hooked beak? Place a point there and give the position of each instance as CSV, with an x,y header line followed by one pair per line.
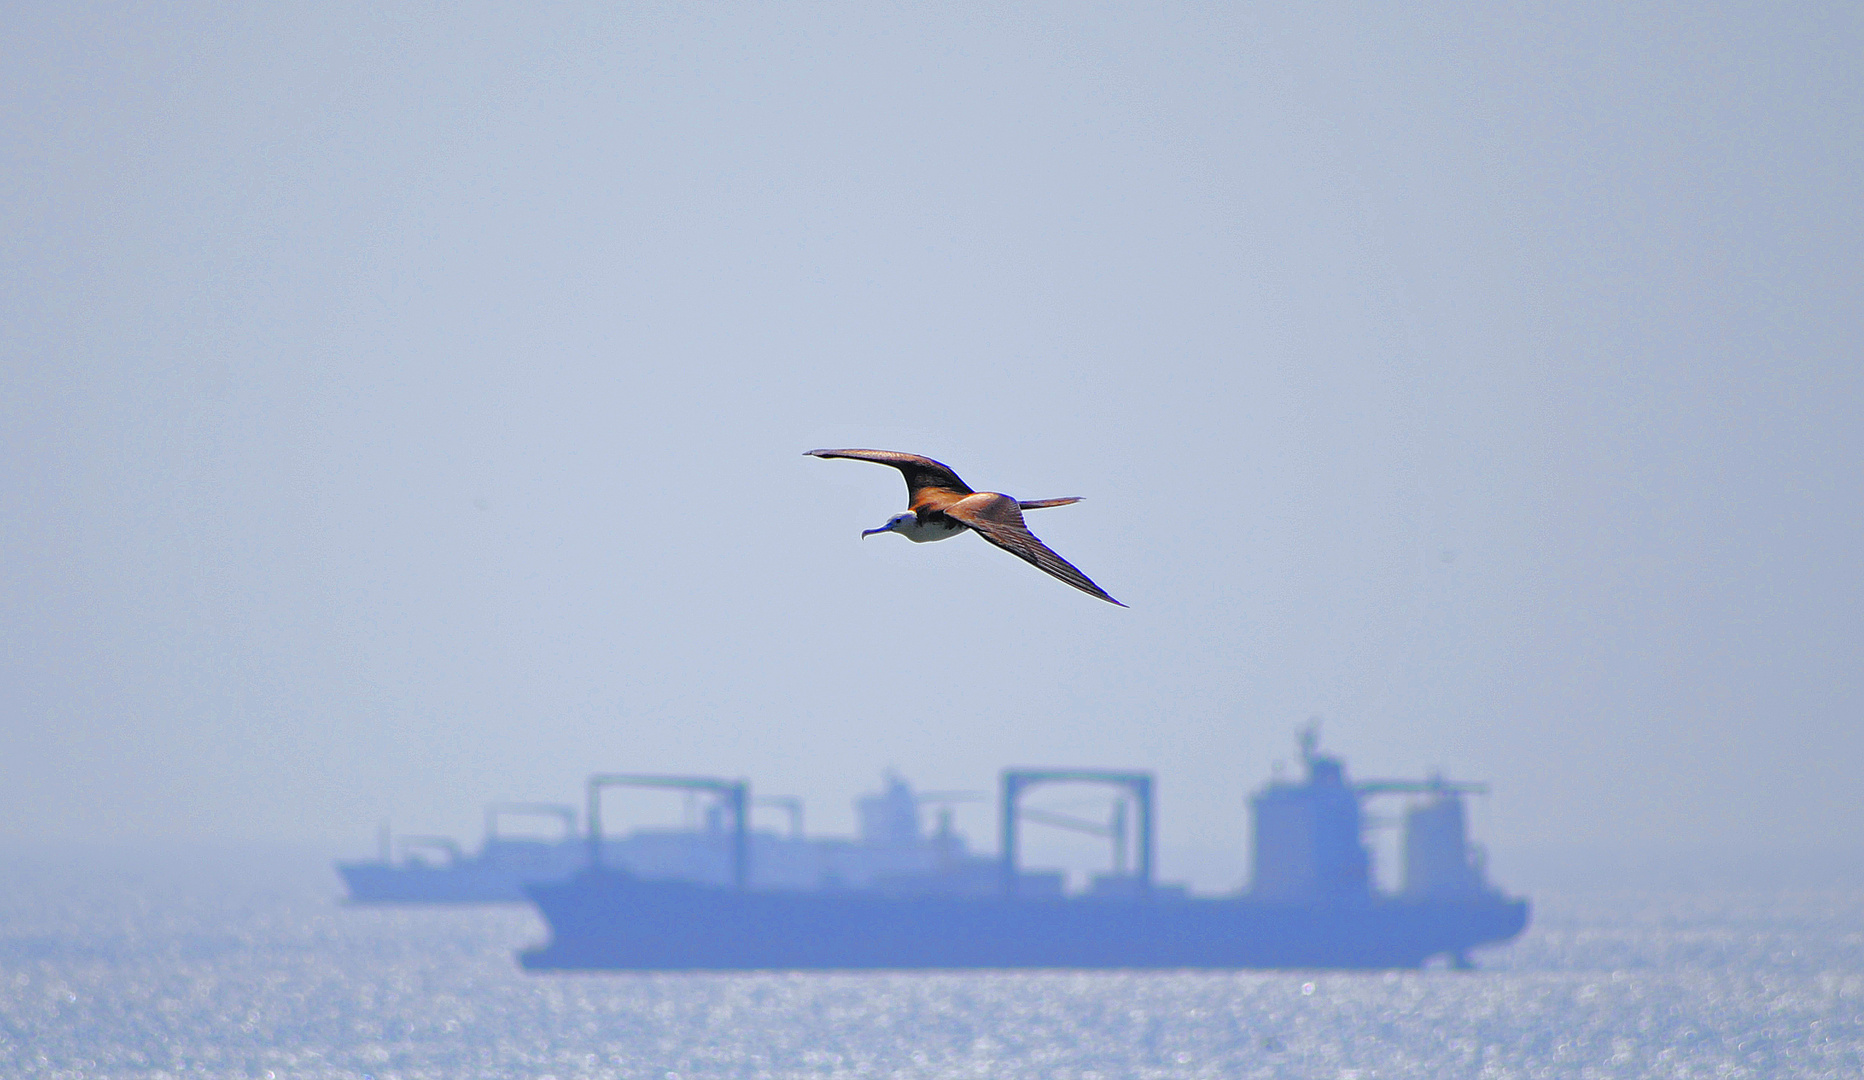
x,y
893,524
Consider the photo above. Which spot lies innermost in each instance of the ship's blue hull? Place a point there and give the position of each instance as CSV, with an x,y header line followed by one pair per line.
x,y
614,921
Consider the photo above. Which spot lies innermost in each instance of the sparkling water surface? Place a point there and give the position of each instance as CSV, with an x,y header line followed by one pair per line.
x,y
207,972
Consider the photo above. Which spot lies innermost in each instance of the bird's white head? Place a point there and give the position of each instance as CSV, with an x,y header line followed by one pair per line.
x,y
896,523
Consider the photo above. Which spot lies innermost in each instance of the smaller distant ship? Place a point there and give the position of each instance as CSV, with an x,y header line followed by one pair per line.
x,y
433,869
891,853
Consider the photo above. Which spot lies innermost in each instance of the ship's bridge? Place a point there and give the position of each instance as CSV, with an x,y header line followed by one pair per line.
x,y
1309,837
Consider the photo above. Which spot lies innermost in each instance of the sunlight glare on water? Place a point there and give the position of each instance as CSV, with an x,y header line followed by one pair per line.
x,y
146,978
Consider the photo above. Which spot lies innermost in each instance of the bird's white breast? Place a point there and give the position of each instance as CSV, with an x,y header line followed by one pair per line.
x,y
926,532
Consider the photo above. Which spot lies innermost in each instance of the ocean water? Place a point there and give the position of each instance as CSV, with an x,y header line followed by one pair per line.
x,y
214,970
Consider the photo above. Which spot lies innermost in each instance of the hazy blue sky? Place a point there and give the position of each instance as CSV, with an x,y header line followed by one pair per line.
x,y
403,409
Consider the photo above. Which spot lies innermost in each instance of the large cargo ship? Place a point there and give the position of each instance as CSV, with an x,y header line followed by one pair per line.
x,y
1311,901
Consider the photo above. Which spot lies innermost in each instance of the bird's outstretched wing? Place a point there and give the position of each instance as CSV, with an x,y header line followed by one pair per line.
x,y
922,473
999,520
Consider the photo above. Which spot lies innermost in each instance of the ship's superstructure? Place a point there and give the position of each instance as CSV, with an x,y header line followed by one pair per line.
x,y
1309,837
1439,860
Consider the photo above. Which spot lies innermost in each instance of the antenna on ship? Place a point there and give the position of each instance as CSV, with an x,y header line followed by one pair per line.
x,y
1309,739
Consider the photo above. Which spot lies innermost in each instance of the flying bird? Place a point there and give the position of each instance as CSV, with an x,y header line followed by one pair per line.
x,y
940,506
